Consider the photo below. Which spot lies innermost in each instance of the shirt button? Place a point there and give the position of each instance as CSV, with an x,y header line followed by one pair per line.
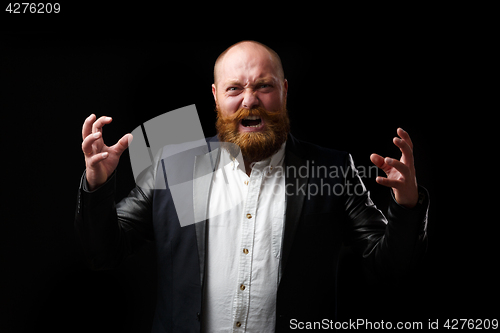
x,y
246,182
242,287
249,216
245,251
238,324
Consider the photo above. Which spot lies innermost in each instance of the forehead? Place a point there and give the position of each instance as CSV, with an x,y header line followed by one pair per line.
x,y
246,65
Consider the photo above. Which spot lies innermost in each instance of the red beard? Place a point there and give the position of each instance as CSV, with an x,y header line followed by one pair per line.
x,y
255,146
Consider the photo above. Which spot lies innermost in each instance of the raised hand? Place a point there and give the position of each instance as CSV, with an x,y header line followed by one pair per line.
x,y
100,159
400,173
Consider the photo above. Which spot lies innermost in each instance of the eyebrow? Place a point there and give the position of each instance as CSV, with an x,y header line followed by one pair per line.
x,y
232,82
267,80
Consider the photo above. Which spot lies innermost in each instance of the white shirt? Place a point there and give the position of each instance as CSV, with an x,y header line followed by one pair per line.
x,y
244,246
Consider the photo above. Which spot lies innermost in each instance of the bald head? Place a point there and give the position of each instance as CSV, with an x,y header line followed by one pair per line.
x,y
248,49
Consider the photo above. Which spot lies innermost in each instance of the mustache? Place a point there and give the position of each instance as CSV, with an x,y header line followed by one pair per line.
x,y
243,113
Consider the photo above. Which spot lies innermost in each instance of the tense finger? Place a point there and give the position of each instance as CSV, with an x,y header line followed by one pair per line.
x,y
87,143
394,183
87,126
405,136
405,149
401,167
99,123
97,158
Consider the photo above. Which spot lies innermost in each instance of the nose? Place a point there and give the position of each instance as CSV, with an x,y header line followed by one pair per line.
x,y
250,99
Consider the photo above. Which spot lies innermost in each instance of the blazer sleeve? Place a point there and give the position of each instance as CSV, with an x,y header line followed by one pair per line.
x,y
107,232
388,245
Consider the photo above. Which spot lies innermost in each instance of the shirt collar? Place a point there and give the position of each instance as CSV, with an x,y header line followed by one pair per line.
x,y
273,161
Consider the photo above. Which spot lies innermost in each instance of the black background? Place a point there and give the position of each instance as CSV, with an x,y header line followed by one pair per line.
x,y
349,89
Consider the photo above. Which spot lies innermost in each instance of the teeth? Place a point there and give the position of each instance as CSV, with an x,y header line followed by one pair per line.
x,y
254,126
252,118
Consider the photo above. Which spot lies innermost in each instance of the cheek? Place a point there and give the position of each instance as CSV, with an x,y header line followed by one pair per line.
x,y
228,106
272,102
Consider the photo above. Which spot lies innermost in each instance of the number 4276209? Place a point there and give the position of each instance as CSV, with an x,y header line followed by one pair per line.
x,y
461,324
33,8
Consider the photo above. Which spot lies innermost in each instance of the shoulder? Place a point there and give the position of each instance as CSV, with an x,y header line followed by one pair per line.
x,y
176,150
313,152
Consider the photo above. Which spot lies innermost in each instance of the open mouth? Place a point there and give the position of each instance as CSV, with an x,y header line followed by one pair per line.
x,y
251,121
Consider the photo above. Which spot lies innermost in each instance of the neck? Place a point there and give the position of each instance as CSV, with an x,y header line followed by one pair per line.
x,y
248,165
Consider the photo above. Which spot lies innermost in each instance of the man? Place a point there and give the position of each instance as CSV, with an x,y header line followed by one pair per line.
x,y
268,249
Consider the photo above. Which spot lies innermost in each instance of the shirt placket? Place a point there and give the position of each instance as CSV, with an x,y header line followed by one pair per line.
x,y
242,295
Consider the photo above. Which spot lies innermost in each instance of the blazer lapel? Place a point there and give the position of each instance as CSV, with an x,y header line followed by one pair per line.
x,y
294,199
204,167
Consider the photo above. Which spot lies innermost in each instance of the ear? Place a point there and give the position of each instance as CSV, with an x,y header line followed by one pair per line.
x,y
285,87
214,92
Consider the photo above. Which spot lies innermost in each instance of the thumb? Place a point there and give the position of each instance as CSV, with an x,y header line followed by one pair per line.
x,y
123,143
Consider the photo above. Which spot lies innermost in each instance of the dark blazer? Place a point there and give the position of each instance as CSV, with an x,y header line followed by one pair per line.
x,y
327,206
